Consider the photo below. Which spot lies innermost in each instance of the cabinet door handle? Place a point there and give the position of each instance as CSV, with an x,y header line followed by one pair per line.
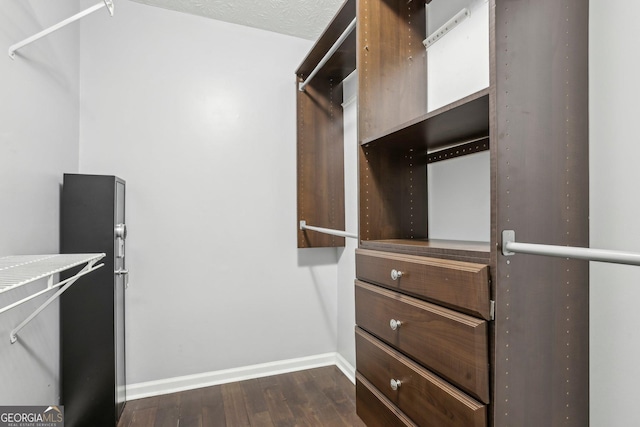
x,y
394,324
125,273
396,274
395,384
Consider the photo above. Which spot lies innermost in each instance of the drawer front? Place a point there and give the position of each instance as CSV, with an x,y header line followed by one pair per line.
x,y
375,409
460,285
421,395
451,344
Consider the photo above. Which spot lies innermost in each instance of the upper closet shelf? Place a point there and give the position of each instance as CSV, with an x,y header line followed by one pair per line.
x,y
19,270
461,121
106,3
340,36
333,49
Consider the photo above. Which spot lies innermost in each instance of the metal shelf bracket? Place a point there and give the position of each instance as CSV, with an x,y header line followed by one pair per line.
x,y
448,26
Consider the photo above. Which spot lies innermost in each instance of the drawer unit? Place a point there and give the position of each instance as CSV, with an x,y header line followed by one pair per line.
x,y
418,393
452,344
375,409
463,286
532,358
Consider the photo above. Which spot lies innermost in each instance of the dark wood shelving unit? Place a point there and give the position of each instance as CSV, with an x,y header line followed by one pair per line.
x,y
533,119
320,148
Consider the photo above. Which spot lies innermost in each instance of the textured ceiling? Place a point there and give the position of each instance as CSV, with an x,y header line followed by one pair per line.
x,y
301,18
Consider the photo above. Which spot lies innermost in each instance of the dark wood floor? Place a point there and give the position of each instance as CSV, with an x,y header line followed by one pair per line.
x,y
316,397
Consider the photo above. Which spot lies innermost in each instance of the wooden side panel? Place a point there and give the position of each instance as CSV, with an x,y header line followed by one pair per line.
x,y
393,189
392,64
453,345
541,136
422,396
375,409
459,285
320,162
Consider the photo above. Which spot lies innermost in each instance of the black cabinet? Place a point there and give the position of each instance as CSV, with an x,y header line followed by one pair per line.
x,y
92,310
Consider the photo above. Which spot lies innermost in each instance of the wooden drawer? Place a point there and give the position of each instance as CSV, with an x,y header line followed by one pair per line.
x,y
460,285
375,409
422,396
452,344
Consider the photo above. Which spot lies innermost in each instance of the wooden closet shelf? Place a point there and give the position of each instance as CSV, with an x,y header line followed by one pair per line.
x,y
450,249
343,61
458,122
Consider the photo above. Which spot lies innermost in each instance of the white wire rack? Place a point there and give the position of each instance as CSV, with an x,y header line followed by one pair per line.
x,y
19,270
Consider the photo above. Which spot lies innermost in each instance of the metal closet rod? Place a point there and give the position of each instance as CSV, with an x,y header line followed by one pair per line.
x,y
339,233
511,247
106,3
328,55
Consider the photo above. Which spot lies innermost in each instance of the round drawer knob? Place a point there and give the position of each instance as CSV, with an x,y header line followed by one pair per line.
x,y
395,384
395,274
394,324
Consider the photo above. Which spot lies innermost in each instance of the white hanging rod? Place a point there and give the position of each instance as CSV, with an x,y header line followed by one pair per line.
x,y
13,48
510,247
328,55
304,226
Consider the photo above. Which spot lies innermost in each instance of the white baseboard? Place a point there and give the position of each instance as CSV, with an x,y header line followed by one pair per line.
x,y
207,379
347,369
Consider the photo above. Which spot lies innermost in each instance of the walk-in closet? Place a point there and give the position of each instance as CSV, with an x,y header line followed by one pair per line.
x,y
319,213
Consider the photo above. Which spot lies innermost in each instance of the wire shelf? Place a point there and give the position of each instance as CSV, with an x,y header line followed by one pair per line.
x,y
19,270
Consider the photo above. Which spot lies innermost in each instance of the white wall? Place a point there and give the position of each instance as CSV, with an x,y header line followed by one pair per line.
x,y
458,63
458,66
614,67
459,208
198,116
38,143
346,255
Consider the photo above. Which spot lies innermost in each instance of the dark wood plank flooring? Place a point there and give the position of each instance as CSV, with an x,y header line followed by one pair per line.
x,y
316,397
